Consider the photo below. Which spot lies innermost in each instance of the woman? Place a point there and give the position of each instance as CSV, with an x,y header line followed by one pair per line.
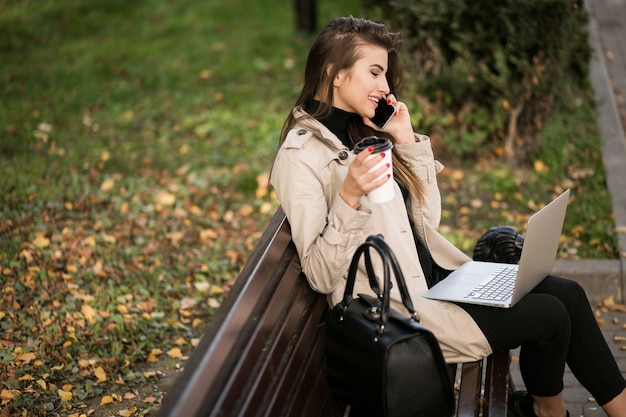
x,y
323,188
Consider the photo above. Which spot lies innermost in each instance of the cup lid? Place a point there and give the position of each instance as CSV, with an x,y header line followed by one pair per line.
x,y
379,144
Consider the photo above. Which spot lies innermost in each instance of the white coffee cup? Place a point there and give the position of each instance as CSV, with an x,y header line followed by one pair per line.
x,y
385,192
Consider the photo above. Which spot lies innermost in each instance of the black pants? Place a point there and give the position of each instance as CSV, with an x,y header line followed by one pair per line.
x,y
554,325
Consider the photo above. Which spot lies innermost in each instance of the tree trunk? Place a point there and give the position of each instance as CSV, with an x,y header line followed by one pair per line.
x,y
509,143
306,16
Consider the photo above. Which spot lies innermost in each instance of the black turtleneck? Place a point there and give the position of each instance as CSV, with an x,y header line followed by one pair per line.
x,y
337,122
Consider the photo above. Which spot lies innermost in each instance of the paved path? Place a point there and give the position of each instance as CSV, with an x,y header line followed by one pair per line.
x,y
607,31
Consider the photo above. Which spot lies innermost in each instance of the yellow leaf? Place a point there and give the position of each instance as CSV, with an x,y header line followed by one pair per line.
x,y
26,377
91,241
175,237
122,309
26,357
127,413
88,312
539,166
65,395
67,387
154,355
107,399
100,374
195,210
174,353
108,238
165,198
262,180
6,394
42,384
72,268
245,210
216,290
266,207
107,185
41,241
105,156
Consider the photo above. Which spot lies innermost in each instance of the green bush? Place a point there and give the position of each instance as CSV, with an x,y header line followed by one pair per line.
x,y
484,74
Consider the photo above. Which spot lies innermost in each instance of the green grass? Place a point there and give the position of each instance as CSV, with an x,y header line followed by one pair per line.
x,y
134,140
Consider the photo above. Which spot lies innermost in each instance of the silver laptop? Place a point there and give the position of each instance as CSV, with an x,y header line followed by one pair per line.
x,y
503,285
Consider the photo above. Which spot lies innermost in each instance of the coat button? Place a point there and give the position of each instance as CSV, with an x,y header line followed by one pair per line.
x,y
343,155
301,132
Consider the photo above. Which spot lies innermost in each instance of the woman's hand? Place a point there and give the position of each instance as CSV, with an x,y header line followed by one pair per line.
x,y
399,125
359,180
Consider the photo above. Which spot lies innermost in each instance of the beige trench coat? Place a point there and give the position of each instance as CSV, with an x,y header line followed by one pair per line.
x,y
308,173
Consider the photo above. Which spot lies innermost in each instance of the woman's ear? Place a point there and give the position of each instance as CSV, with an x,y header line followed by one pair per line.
x,y
339,78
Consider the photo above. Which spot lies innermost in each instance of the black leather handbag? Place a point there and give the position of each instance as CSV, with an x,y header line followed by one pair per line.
x,y
379,361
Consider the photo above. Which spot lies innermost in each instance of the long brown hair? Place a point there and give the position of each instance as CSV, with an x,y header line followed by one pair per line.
x,y
337,48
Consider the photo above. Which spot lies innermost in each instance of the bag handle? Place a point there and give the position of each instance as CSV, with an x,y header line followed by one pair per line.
x,y
388,259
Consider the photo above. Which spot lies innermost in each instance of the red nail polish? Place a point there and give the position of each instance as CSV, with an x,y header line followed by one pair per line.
x,y
388,165
370,149
388,101
382,154
388,175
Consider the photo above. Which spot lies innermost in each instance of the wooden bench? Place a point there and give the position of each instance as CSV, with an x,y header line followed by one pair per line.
x,y
262,354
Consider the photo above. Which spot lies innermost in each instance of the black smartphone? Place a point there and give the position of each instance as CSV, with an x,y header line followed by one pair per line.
x,y
383,113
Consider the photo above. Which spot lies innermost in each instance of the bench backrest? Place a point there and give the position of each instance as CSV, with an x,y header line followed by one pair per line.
x,y
262,353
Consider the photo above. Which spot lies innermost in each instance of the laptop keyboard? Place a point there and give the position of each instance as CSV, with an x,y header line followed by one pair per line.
x,y
497,287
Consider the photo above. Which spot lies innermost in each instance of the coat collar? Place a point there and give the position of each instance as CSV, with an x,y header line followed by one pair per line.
x,y
305,123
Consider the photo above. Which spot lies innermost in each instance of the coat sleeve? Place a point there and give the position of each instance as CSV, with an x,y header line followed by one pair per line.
x,y
325,230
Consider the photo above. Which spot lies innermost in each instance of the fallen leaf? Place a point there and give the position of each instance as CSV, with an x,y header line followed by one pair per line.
x,y
41,241
174,353
165,198
88,312
100,374
609,304
6,394
107,399
107,185
65,395
127,413
26,357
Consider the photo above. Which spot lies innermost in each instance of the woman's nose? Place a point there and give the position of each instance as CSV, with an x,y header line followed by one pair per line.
x,y
384,86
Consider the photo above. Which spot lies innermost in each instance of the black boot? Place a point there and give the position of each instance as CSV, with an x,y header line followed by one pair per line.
x,y
521,405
